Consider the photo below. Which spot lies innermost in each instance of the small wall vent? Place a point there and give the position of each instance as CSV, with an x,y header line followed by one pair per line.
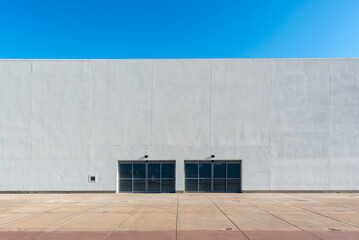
x,y
92,178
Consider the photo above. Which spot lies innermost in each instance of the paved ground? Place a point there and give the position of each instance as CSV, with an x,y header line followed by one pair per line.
x,y
179,216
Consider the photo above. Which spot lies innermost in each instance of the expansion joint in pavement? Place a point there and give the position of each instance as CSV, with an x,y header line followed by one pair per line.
x,y
177,216
29,217
70,220
227,216
130,214
281,218
335,219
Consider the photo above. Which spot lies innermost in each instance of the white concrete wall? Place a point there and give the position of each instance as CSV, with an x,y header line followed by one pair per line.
x,y
293,122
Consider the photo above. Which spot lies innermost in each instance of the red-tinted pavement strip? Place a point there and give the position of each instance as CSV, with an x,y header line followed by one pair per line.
x,y
181,235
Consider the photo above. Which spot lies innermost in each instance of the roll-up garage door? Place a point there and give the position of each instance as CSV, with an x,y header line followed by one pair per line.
x,y
216,176
140,176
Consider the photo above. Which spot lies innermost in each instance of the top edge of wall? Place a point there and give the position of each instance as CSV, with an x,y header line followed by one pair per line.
x,y
124,59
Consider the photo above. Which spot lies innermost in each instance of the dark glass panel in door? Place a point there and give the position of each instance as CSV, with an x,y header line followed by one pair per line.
x,y
205,185
139,185
154,185
153,170
168,170
191,170
219,185
139,170
125,170
191,185
234,170
219,170
205,170
125,185
233,185
168,186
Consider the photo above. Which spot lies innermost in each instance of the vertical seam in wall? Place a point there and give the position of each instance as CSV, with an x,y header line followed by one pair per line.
x,y
210,104
31,102
90,123
330,120
270,123
151,104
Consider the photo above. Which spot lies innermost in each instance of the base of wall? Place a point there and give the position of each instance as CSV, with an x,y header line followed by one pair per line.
x,y
300,191
181,191
54,192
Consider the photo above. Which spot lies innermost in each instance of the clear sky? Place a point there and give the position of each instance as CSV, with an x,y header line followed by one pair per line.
x,y
179,28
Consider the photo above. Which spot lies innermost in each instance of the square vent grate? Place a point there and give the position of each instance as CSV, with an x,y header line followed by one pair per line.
x,y
92,178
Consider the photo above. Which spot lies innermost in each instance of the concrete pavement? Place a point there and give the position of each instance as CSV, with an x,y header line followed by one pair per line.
x,y
253,216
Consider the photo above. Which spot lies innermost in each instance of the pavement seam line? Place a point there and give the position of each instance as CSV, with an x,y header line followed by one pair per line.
x,y
36,215
227,216
130,214
177,216
29,217
78,216
70,220
350,224
281,219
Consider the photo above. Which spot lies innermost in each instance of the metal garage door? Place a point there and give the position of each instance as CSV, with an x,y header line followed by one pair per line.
x,y
216,176
141,176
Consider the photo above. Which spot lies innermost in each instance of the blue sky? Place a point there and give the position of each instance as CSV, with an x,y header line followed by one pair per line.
x,y
179,29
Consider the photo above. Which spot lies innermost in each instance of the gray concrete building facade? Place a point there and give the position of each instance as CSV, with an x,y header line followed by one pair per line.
x,y
65,125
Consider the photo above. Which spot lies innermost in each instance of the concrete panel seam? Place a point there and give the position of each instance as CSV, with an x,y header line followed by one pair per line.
x,y
270,124
210,103
151,104
31,102
90,124
330,121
